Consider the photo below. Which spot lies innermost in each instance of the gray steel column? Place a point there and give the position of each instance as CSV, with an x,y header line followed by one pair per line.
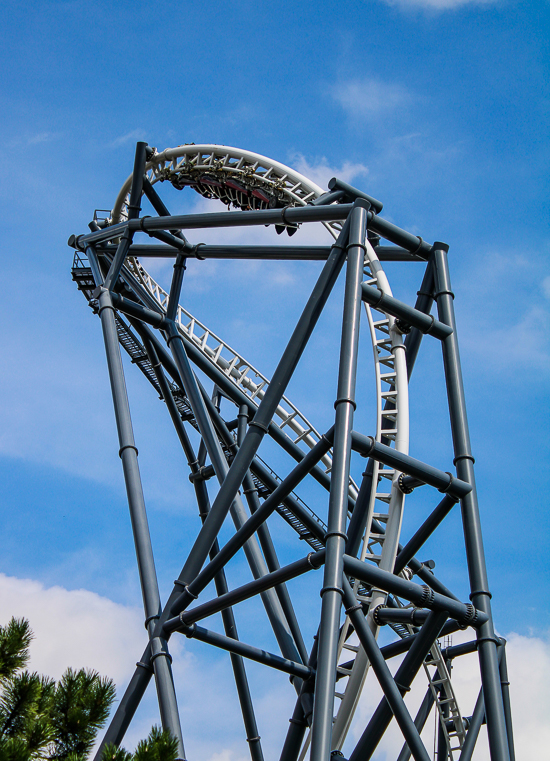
x,y
464,461
337,511
140,527
506,698
476,721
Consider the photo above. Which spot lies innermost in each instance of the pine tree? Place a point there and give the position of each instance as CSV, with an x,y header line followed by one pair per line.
x,y
159,746
42,719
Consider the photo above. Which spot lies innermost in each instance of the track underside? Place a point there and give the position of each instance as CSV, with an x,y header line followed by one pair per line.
x,y
369,579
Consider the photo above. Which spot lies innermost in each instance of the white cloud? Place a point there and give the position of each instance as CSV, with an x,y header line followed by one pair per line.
x,y
76,628
529,672
504,330
321,171
37,138
371,98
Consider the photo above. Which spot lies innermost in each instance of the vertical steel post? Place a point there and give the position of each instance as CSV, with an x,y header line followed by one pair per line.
x,y
476,721
506,698
144,552
464,461
337,512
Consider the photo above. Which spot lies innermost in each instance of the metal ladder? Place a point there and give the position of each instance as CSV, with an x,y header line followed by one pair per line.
x,y
445,701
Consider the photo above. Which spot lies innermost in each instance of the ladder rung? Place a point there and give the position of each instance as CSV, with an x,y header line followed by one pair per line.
x,y
353,648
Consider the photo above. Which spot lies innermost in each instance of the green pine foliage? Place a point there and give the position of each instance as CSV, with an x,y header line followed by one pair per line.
x,y
159,746
42,719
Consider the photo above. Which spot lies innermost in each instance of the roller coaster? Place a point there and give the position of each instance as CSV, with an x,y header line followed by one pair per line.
x,y
369,579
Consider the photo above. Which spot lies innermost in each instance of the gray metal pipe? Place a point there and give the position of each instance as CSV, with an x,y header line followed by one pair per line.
x,y
424,532
270,253
133,212
422,596
144,552
420,720
404,676
426,324
228,619
312,562
247,530
444,482
288,215
331,593
246,651
351,194
480,595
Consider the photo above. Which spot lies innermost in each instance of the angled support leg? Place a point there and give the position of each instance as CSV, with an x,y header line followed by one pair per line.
x,y
228,618
383,674
337,512
420,720
404,676
480,595
151,599
251,494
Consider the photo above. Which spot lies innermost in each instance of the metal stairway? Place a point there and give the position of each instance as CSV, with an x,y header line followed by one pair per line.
x,y
82,275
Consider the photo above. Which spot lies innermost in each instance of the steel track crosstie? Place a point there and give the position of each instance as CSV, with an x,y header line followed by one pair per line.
x,y
349,543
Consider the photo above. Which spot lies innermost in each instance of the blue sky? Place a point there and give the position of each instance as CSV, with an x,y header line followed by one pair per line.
x,y
440,108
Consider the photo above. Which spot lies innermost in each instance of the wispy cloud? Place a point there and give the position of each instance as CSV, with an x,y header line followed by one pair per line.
x,y
436,5
135,134
320,171
371,98
504,330
31,139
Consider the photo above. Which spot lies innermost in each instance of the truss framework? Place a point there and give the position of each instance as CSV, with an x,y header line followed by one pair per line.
x,y
369,578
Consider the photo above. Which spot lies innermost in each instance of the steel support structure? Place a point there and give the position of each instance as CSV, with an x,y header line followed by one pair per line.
x,y
371,577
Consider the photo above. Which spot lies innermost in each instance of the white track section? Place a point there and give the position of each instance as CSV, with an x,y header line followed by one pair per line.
x,y
386,504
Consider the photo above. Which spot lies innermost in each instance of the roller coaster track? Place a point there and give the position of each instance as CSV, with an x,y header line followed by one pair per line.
x,y
241,179
248,181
